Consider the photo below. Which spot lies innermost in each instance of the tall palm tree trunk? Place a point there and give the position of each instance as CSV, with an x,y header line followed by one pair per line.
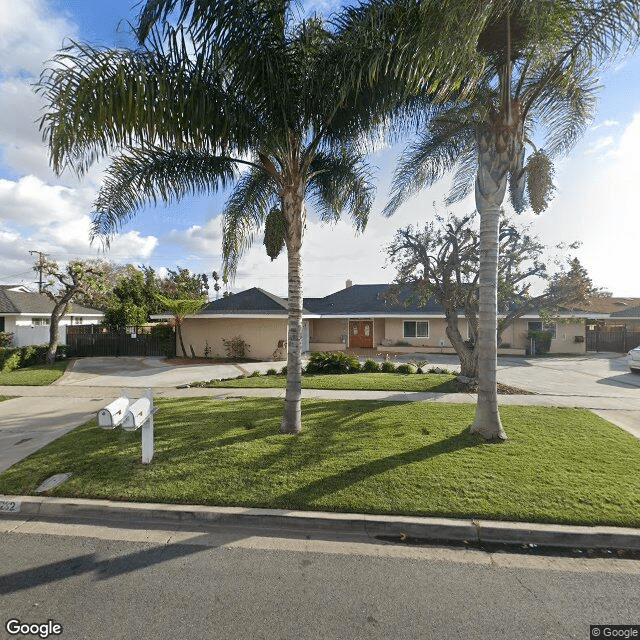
x,y
494,146
293,209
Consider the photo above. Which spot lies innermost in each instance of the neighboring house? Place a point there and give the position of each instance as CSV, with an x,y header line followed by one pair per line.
x,y
613,314
628,319
28,315
358,316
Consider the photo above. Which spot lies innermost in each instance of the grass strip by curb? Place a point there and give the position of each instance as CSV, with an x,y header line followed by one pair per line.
x,y
560,465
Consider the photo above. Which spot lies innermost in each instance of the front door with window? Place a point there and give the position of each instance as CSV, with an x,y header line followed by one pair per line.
x,y
361,334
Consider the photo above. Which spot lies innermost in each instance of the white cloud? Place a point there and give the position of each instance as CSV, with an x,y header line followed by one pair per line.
x,y
29,33
605,123
131,246
599,145
596,203
29,36
37,212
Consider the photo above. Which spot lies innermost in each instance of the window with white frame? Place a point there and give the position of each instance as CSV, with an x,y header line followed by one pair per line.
x,y
416,329
538,325
41,322
77,319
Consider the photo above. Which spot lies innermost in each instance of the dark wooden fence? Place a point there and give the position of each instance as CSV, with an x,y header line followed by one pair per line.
x,y
617,341
95,340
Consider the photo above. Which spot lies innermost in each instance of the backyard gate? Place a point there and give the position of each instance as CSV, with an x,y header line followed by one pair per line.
x,y
617,341
92,340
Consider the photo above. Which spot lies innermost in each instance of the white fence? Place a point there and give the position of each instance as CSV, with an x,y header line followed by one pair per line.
x,y
24,336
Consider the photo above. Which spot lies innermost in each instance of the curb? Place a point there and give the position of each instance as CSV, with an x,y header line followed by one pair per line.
x,y
428,529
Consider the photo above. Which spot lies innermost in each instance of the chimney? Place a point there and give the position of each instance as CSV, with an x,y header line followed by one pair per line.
x,y
348,284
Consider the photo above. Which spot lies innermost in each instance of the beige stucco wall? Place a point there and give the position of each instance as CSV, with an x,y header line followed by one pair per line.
x,y
394,332
327,330
564,342
261,334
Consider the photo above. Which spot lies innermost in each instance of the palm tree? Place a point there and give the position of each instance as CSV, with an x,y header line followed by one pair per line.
x,y
237,85
540,61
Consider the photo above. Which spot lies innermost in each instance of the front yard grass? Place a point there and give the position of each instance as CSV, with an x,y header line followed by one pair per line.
x,y
34,376
442,382
559,465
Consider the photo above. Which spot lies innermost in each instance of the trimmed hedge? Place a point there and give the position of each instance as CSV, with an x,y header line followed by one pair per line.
x,y
21,357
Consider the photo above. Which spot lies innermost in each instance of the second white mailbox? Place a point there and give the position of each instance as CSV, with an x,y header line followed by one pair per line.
x,y
138,413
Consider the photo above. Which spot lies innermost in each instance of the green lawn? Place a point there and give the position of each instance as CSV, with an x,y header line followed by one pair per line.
x,y
35,376
441,382
560,465
2,398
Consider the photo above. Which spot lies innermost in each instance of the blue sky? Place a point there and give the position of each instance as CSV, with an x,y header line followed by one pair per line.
x,y
596,200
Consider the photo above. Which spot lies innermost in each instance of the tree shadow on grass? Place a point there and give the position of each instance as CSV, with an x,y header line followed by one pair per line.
x,y
327,485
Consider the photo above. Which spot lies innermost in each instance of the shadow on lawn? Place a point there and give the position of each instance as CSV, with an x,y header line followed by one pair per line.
x,y
307,494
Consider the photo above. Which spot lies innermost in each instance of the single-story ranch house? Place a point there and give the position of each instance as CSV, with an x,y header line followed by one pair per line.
x,y
356,317
27,315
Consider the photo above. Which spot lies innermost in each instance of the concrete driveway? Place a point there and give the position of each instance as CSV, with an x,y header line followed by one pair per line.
x,y
152,372
592,375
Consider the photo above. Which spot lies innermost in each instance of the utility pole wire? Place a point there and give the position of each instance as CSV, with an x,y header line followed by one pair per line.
x,y
39,267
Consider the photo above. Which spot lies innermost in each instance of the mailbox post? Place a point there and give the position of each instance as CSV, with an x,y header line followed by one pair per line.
x,y
132,416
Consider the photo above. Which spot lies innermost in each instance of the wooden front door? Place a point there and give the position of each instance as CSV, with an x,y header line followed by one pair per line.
x,y
361,334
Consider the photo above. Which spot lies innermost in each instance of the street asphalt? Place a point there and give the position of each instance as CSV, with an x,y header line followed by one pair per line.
x,y
38,415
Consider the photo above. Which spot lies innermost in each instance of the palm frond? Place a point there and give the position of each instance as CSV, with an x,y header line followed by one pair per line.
x,y
342,183
465,175
244,213
99,100
435,152
139,177
565,105
602,30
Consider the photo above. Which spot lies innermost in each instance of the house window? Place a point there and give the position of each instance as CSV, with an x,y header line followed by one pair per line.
x,y
77,320
415,329
41,322
538,325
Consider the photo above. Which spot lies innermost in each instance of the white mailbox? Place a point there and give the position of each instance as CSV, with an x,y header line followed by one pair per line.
x,y
113,414
131,417
138,413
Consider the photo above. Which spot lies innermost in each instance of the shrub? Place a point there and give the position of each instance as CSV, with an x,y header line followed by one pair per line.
x,y
439,370
12,360
236,348
339,362
283,371
5,338
370,366
20,357
271,372
405,369
387,367
255,374
541,340
167,338
419,365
